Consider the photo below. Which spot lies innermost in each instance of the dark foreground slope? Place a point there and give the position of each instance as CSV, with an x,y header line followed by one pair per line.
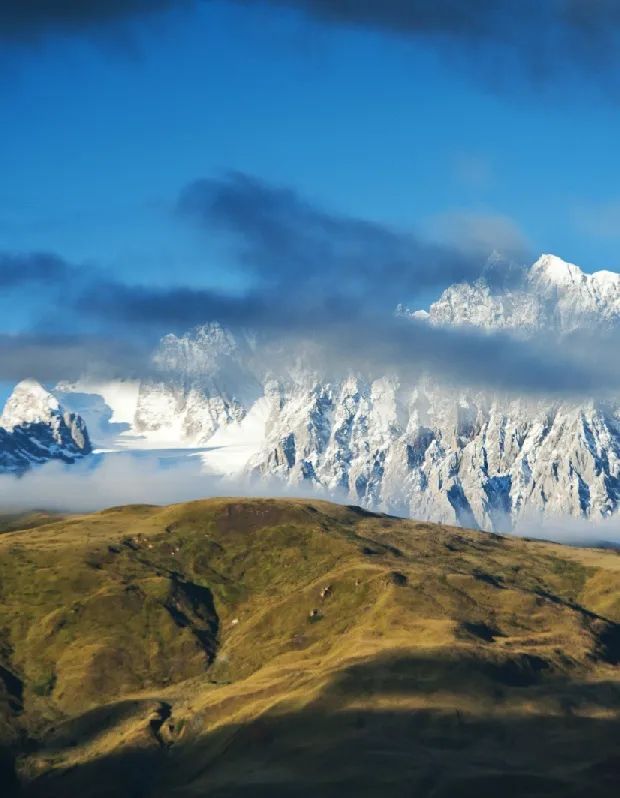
x,y
293,648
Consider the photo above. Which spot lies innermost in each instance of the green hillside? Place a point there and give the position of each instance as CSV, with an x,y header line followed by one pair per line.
x,y
289,648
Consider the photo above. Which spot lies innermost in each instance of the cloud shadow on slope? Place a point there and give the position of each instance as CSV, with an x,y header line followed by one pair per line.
x,y
463,730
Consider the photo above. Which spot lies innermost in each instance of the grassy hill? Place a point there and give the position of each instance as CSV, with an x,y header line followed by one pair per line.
x,y
290,648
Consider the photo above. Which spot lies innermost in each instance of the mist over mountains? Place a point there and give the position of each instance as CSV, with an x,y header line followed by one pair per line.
x,y
254,410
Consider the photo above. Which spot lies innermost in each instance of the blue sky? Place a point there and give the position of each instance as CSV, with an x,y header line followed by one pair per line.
x,y
100,136
103,129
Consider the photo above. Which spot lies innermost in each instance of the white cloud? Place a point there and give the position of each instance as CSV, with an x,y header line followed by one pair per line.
x,y
474,171
478,232
570,530
600,220
128,478
146,478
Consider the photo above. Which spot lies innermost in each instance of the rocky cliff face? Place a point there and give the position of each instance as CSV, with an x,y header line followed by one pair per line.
x,y
420,450
34,429
476,460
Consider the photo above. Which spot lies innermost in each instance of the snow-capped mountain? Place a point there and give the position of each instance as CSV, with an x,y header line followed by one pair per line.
x,y
214,370
34,429
422,450
551,295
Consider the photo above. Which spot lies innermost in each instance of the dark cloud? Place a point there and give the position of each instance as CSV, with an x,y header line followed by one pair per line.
x,y
50,358
327,284
474,19
319,284
540,366
544,36
24,20
289,244
169,309
32,268
333,344
304,266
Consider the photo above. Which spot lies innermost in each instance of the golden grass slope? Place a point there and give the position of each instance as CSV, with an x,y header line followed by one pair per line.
x,y
273,648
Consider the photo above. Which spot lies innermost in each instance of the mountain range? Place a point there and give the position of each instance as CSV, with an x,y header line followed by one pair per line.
x,y
476,458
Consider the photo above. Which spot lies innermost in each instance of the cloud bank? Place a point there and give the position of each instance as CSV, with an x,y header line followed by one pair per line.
x,y
21,269
601,532
288,243
126,478
311,275
541,39
29,20
49,357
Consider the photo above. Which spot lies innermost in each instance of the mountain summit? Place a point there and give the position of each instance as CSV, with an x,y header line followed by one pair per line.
x,y
29,403
551,295
34,428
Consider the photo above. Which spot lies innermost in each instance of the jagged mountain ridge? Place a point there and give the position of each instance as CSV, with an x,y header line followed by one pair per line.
x,y
35,428
215,370
551,295
471,457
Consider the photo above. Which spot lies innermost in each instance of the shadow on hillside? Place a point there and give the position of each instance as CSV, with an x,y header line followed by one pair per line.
x,y
438,728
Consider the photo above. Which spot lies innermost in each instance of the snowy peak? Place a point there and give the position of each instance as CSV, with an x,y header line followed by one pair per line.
x,y
573,299
34,428
554,271
29,403
552,295
422,450
199,352
551,270
205,379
